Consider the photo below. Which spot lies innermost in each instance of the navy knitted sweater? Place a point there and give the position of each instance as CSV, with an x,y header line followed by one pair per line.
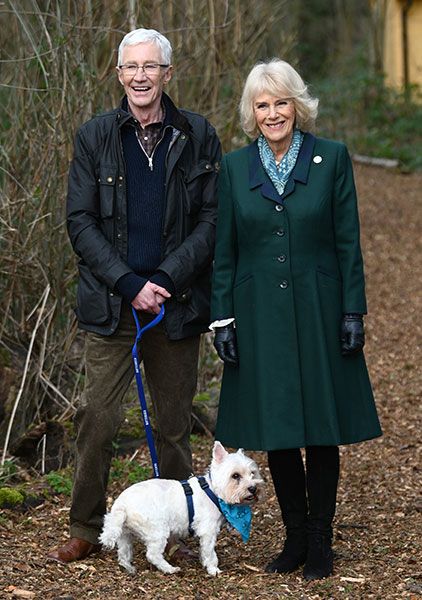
x,y
145,193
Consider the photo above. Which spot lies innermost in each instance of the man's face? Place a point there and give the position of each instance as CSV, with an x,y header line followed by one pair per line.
x,y
143,90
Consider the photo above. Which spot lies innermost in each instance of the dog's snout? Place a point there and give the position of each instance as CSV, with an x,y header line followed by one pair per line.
x,y
252,489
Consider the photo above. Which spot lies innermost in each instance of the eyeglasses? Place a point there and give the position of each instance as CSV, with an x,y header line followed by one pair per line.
x,y
148,68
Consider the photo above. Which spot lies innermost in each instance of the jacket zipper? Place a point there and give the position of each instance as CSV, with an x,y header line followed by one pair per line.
x,y
149,158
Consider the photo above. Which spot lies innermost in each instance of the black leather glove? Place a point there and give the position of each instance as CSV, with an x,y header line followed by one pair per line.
x,y
226,345
352,334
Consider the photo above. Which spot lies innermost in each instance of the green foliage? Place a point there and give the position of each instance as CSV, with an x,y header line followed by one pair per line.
x,y
7,471
357,108
202,397
60,481
10,497
127,471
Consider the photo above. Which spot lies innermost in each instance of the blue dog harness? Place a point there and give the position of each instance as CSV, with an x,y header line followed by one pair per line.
x,y
189,498
238,516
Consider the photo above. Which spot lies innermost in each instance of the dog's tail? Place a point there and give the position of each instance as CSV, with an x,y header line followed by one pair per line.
x,y
113,526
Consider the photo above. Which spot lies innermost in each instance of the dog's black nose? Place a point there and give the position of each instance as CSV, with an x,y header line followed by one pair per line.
x,y
252,489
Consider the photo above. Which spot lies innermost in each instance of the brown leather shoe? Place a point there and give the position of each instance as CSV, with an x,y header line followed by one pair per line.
x,y
178,550
74,549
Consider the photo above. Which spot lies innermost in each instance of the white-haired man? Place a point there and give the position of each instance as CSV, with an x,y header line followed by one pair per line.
x,y
141,212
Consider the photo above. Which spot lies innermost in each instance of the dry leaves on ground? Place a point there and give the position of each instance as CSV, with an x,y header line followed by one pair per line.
x,y
378,523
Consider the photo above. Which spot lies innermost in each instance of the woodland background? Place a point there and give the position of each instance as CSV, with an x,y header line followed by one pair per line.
x,y
57,63
57,69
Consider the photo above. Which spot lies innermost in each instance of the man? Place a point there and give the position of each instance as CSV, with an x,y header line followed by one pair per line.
x,y
141,214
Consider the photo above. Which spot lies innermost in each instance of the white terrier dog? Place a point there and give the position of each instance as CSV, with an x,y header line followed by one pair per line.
x,y
156,509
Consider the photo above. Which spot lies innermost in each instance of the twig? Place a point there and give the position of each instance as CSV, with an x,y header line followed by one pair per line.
x,y
205,428
44,444
25,372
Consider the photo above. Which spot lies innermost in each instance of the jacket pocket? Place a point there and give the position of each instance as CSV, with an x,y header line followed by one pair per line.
x,y
92,298
107,181
328,273
193,181
242,279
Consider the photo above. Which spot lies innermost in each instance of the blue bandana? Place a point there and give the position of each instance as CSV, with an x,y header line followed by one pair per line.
x,y
239,516
279,174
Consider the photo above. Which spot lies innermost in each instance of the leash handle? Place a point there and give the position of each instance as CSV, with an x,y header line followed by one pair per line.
x,y
141,393
141,330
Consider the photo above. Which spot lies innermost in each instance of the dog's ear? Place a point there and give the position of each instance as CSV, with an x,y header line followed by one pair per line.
x,y
219,452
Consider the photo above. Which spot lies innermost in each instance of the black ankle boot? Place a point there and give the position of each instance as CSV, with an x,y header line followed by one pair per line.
x,y
319,560
292,556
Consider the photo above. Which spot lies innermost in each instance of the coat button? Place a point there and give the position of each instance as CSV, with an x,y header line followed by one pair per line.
x,y
281,258
119,235
109,179
284,284
280,232
279,207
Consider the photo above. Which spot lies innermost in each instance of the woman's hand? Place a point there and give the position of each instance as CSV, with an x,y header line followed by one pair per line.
x,y
352,334
226,345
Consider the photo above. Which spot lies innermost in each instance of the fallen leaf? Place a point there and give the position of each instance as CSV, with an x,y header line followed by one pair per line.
x,y
353,579
252,568
18,593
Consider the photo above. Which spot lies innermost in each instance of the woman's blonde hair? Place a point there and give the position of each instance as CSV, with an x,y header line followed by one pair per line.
x,y
278,78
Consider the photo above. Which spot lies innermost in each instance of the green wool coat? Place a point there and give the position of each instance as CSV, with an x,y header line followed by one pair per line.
x,y
287,268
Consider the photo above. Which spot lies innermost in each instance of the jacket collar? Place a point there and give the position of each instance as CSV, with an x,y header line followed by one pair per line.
x,y
259,178
173,116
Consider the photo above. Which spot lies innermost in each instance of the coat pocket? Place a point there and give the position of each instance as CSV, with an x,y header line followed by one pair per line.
x,y
242,279
193,182
92,298
107,181
328,273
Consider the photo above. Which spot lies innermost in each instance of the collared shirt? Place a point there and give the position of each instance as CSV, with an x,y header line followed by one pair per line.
x,y
150,135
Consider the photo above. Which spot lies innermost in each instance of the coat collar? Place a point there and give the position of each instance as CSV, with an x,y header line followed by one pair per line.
x,y
173,116
259,178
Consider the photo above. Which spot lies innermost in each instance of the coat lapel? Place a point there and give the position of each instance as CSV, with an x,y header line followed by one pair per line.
x,y
258,177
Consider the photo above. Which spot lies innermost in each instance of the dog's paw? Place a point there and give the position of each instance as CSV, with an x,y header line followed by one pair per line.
x,y
129,568
213,571
170,570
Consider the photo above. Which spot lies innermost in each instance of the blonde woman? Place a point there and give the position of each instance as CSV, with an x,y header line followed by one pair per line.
x,y
287,304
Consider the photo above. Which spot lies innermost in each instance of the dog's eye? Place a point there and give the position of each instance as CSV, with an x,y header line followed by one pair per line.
x,y
236,476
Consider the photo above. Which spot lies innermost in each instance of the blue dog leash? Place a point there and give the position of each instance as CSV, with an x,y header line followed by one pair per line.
x,y
141,394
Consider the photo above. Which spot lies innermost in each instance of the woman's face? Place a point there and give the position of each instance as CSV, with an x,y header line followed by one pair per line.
x,y
275,117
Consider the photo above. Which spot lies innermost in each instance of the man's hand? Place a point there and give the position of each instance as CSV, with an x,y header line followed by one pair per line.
x,y
150,298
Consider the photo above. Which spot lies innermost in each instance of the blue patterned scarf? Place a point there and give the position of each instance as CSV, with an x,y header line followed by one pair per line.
x,y
279,174
238,516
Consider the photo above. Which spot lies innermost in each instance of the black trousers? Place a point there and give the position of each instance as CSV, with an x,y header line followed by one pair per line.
x,y
306,492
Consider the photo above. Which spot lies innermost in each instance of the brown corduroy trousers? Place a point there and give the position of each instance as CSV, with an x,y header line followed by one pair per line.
x,y
171,375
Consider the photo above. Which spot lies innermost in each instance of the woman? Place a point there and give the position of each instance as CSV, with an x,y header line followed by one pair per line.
x,y
288,304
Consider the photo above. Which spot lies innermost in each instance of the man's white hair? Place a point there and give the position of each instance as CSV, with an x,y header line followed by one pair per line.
x,y
139,36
